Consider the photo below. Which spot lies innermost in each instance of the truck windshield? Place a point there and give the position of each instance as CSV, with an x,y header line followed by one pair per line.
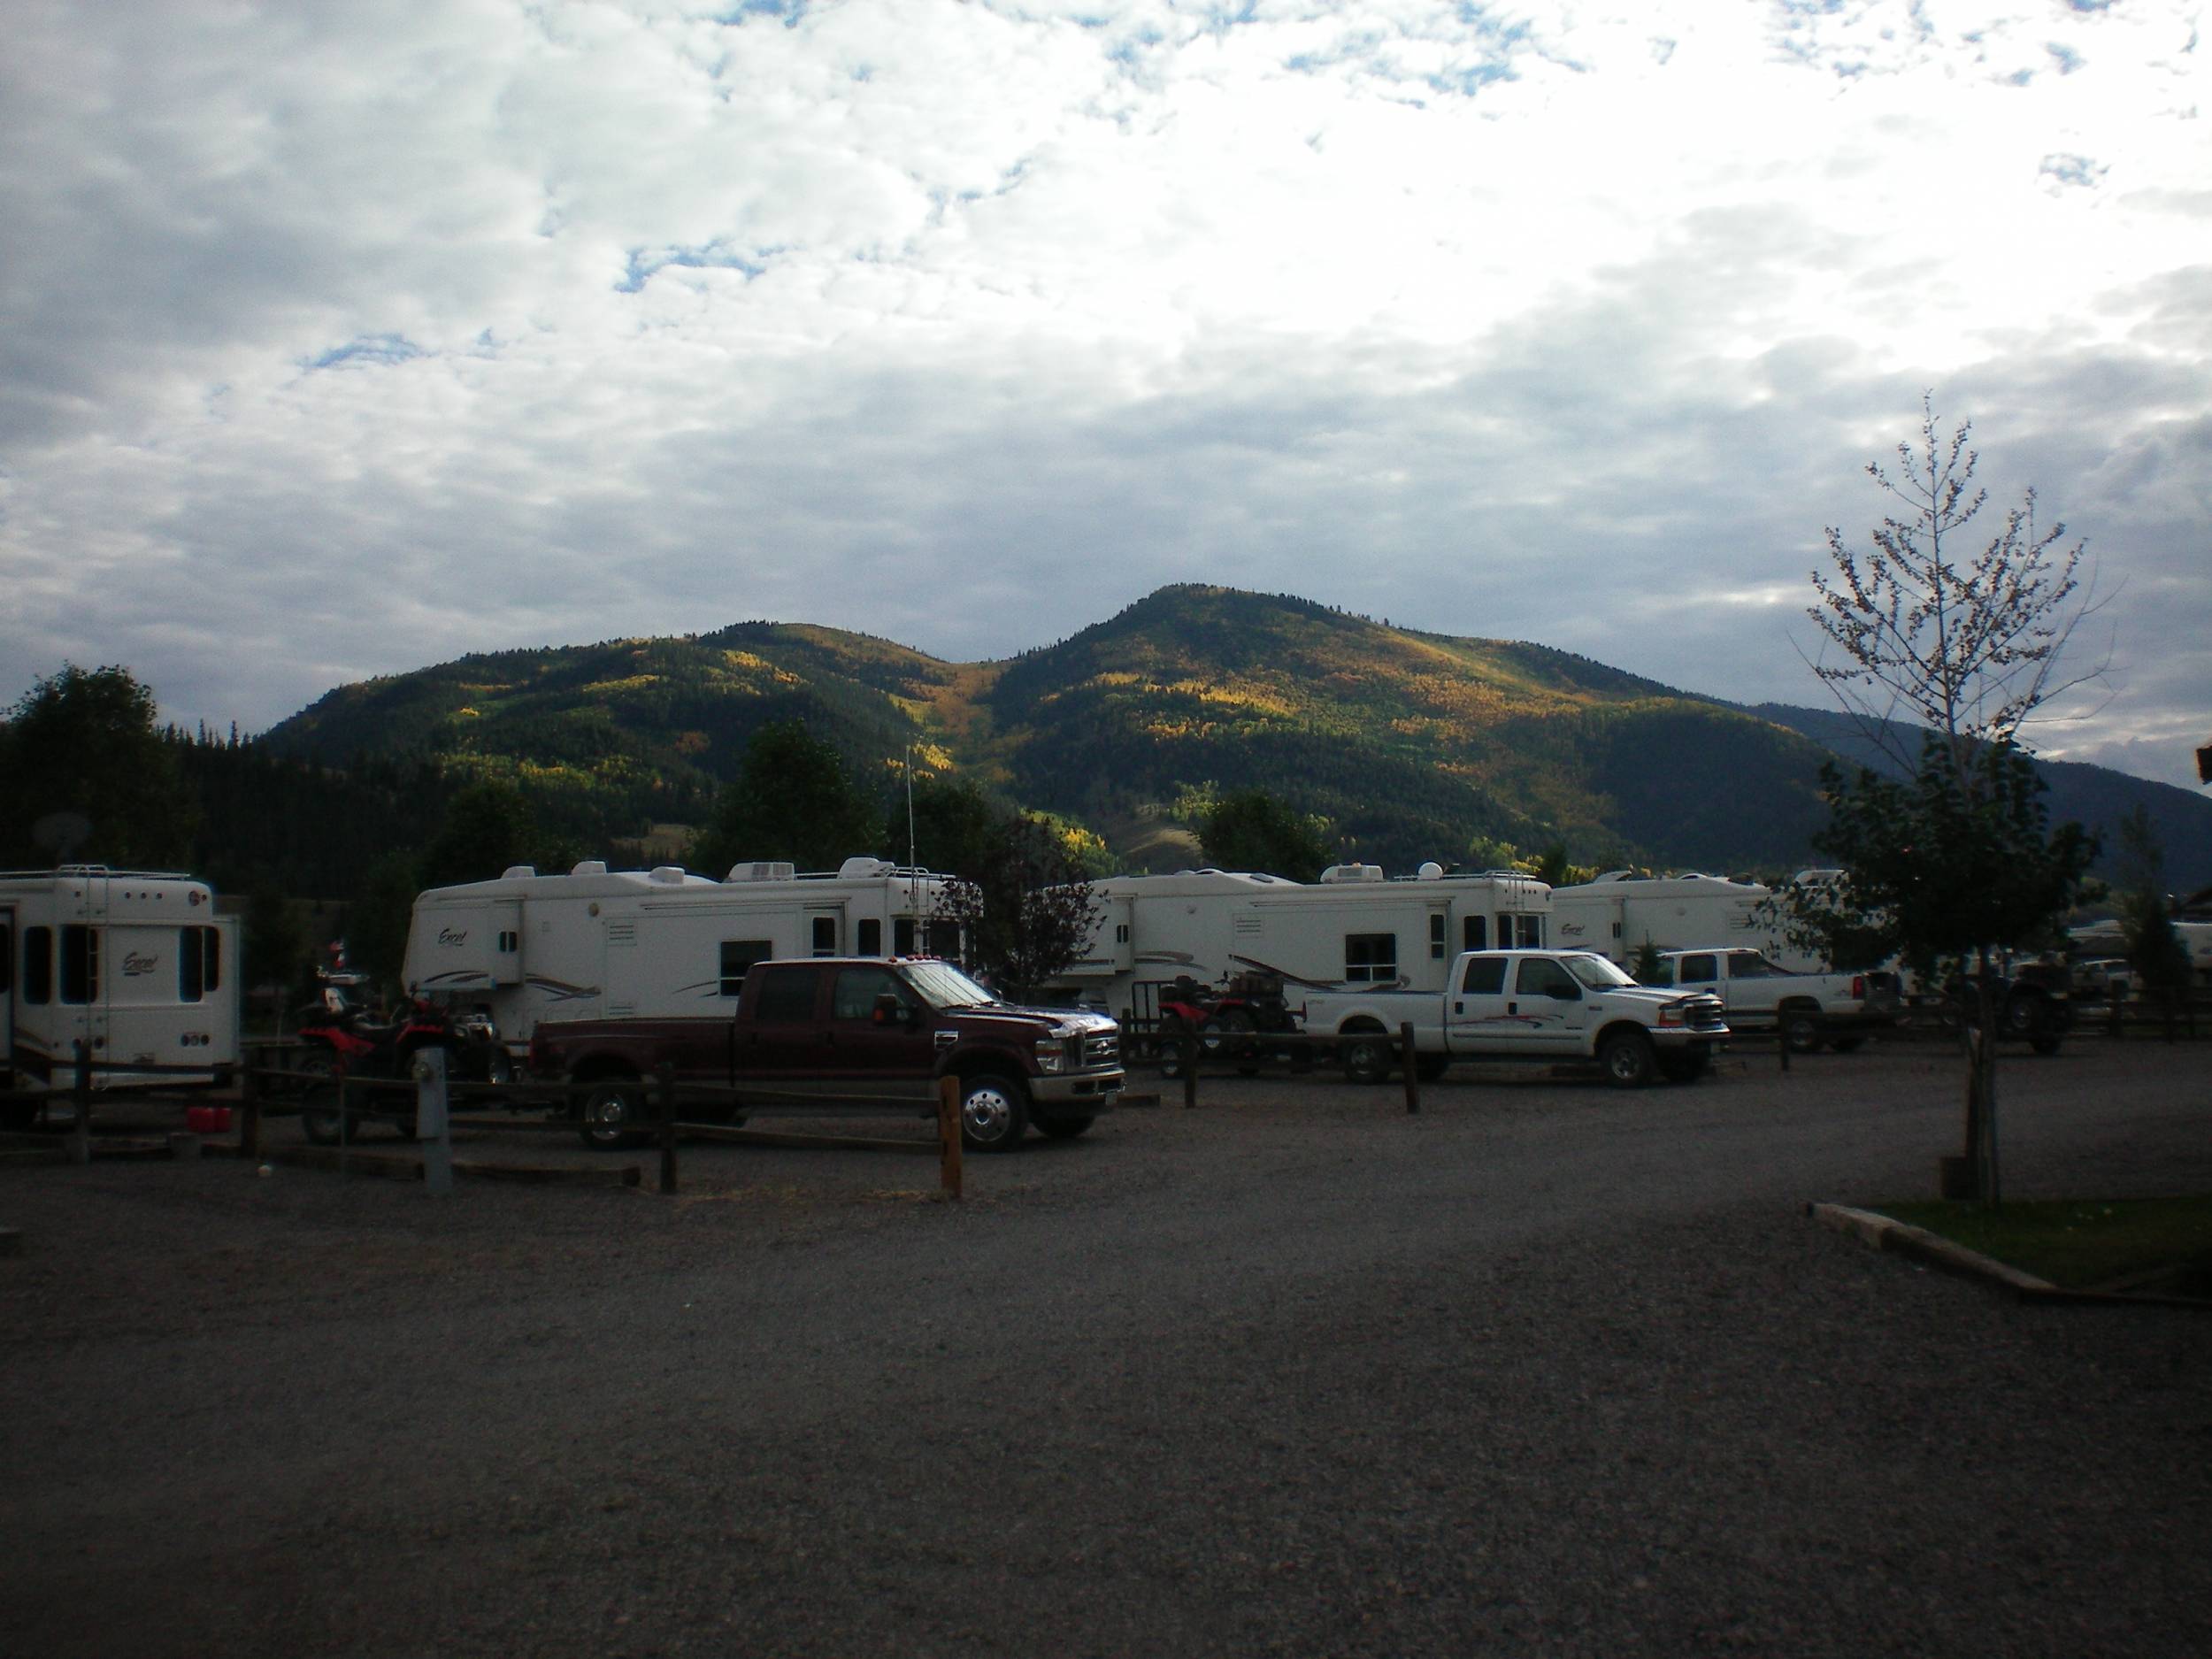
x,y
944,986
1596,973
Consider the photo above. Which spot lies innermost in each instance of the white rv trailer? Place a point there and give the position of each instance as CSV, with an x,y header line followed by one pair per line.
x,y
597,943
1352,929
1615,913
134,964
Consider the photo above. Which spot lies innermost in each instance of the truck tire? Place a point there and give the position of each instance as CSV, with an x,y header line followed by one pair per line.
x,y
1366,1058
1802,1029
612,1113
1628,1059
994,1111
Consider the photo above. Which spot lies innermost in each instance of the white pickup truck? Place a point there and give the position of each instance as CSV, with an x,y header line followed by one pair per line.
x,y
1553,1005
1808,1009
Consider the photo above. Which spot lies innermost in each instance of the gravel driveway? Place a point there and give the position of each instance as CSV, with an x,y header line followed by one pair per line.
x,y
1548,1367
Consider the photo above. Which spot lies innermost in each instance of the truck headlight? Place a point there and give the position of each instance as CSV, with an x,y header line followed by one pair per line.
x,y
1051,1055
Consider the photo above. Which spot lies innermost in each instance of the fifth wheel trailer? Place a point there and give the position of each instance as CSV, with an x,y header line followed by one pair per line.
x,y
1618,912
1352,929
134,964
611,944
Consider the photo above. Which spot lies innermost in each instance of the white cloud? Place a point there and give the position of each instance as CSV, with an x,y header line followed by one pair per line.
x,y
342,340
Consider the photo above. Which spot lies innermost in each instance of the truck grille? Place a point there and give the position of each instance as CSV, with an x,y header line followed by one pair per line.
x,y
1704,1013
1100,1049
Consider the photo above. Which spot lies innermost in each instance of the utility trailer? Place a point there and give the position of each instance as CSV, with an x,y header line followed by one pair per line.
x,y
599,944
1616,913
1352,929
134,964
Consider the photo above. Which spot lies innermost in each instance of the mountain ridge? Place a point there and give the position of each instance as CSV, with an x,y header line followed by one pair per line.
x,y
1414,744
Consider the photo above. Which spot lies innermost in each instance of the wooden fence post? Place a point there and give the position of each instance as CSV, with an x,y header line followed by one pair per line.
x,y
81,1101
949,1147
433,1123
1412,1072
249,1111
664,1086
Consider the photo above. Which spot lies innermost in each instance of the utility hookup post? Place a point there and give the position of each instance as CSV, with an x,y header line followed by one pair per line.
x,y
434,1122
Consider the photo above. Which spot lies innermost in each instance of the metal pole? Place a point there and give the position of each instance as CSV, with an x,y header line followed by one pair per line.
x,y
433,1123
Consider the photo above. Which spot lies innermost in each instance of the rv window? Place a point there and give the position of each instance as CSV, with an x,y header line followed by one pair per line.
x,y
943,940
1369,957
786,996
902,936
1527,932
826,935
1121,932
1436,936
212,971
868,940
80,963
7,960
509,941
38,965
1472,929
1485,977
739,954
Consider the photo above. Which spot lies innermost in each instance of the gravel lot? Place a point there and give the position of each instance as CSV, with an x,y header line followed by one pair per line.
x,y
1547,1367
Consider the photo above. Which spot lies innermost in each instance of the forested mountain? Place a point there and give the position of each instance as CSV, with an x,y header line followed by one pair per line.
x,y
1412,745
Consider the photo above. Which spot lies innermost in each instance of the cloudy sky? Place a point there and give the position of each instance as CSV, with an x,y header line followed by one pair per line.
x,y
341,339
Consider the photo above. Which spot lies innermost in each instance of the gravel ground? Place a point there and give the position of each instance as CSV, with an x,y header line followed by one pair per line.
x,y
1547,1367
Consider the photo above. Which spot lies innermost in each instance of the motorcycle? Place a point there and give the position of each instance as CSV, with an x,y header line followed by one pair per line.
x,y
342,1042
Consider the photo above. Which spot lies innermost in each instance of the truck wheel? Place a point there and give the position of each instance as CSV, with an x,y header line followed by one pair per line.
x,y
1064,1126
612,1112
1628,1059
1170,1046
1366,1058
993,1114
1800,1029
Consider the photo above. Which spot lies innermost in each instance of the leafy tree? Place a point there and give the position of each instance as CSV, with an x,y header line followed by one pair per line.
x,y
1956,859
1028,909
794,800
2154,948
1253,830
84,741
956,826
376,922
488,826
275,941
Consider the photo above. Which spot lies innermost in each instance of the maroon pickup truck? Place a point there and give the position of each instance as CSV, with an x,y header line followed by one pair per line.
x,y
853,1030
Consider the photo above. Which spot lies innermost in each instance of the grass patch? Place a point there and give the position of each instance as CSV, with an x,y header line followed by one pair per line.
x,y
2163,1243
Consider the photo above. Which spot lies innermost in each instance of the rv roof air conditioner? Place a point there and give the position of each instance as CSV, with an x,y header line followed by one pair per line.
x,y
517,872
766,872
1353,872
864,868
590,867
666,875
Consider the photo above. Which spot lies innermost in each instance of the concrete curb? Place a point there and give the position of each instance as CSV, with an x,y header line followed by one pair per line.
x,y
1882,1232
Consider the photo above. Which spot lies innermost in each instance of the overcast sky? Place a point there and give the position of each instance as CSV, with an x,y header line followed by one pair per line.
x,y
339,340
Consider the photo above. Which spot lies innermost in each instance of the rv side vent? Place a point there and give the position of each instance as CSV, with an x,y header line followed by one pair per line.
x,y
667,875
622,932
590,867
1246,923
761,872
517,872
1353,872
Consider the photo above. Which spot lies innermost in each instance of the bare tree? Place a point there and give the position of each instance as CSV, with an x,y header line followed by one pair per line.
x,y
1942,657
1967,650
